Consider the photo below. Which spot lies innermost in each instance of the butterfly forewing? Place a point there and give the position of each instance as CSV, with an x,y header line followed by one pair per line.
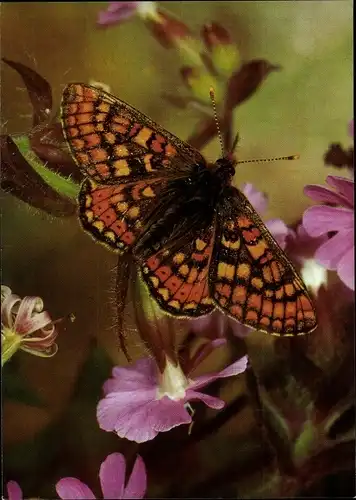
x,y
128,160
251,278
114,143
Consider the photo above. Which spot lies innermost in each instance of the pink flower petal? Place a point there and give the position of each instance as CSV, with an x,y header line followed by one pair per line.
x,y
344,186
321,219
110,385
330,253
117,12
14,491
346,268
170,414
137,483
7,309
121,405
279,231
234,369
139,415
212,325
301,246
257,199
119,6
142,374
157,416
138,428
106,18
324,194
112,476
70,488
210,401
28,320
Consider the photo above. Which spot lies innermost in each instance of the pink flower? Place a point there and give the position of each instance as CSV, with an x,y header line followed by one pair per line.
x,y
216,324
112,480
117,12
24,325
301,248
166,28
337,253
140,401
14,491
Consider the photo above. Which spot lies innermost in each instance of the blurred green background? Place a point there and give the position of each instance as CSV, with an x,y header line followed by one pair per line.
x,y
301,109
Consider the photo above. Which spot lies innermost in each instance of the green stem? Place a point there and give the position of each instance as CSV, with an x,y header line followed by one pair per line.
x,y
10,344
64,186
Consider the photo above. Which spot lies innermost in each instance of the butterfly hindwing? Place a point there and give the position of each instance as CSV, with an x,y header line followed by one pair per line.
x,y
251,278
178,278
114,143
116,215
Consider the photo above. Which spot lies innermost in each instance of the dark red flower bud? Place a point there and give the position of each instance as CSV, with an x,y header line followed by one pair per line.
x,y
48,143
339,157
22,181
39,91
247,80
214,34
167,29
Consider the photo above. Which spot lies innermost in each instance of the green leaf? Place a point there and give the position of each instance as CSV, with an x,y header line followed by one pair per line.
x,y
95,371
62,185
15,388
305,444
226,58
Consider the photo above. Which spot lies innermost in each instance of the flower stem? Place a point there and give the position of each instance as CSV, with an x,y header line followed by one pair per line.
x,y
10,343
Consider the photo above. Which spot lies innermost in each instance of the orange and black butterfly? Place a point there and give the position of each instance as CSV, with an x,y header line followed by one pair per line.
x,y
198,241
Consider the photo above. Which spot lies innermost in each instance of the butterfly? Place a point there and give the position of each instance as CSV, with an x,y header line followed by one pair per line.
x,y
198,242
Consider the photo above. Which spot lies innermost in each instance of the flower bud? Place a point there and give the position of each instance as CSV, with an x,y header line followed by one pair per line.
x,y
199,81
225,55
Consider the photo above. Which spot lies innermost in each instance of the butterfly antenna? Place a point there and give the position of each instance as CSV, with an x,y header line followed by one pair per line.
x,y
276,158
212,97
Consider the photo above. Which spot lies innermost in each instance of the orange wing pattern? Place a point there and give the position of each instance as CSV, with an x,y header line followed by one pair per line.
x,y
178,278
116,215
251,278
131,164
114,143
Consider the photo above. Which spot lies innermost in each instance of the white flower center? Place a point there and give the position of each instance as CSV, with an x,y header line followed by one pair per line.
x,y
173,382
314,275
147,9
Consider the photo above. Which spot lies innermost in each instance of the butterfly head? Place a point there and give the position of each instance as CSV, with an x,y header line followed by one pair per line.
x,y
224,169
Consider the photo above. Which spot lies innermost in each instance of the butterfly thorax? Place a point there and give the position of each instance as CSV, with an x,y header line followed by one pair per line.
x,y
189,203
